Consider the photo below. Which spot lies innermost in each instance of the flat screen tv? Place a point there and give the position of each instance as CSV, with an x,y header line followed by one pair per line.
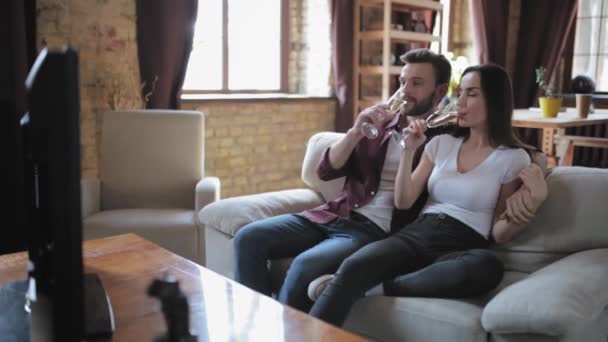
x,y
62,303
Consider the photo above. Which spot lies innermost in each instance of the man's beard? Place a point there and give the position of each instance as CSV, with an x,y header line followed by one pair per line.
x,y
422,107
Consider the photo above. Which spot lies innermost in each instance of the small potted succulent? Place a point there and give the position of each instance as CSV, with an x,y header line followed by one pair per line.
x,y
550,101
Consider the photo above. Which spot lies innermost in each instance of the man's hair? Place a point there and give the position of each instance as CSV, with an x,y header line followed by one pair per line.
x,y
441,65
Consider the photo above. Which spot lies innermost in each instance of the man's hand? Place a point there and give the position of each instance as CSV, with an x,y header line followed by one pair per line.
x,y
534,179
376,115
520,208
522,205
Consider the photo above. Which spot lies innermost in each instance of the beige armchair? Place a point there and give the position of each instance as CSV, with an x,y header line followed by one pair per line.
x,y
151,180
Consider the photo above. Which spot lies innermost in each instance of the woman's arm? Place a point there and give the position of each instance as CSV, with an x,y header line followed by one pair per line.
x,y
408,185
504,230
523,204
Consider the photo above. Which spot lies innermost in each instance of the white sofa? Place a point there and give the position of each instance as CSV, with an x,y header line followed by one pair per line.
x,y
151,180
555,286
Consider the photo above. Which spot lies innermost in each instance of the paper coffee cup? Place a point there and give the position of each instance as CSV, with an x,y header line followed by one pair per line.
x,y
583,102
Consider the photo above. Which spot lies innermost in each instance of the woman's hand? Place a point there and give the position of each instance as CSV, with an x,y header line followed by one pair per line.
x,y
523,204
534,180
414,134
520,207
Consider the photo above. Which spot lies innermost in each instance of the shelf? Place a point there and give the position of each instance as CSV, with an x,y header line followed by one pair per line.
x,y
378,69
405,36
406,4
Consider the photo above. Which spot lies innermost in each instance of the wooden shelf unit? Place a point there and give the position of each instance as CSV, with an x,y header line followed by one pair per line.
x,y
387,36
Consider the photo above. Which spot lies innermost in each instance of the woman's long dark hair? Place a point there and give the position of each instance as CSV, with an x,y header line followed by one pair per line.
x,y
497,90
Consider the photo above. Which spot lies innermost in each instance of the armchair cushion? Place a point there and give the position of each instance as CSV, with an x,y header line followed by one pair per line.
x,y
553,300
150,158
230,214
173,229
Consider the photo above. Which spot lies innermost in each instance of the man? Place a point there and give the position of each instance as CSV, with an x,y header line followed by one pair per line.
x,y
321,238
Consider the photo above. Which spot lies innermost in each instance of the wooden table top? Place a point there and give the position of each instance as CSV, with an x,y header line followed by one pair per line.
x,y
220,309
534,119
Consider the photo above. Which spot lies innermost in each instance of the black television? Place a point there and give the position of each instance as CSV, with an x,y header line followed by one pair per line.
x,y
61,303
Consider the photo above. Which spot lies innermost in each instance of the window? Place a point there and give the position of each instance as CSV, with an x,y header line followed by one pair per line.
x,y
239,46
591,42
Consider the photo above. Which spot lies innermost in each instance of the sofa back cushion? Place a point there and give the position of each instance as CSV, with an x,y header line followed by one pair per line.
x,y
317,144
573,218
150,158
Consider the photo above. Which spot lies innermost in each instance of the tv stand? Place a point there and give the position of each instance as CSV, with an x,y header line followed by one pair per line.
x,y
15,322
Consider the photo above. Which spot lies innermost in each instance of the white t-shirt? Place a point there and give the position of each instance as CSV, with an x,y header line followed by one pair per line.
x,y
470,197
380,209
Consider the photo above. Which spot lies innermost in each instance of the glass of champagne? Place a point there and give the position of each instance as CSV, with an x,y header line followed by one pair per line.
x,y
446,115
394,104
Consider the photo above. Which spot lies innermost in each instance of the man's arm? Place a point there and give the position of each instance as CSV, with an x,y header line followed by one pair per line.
x,y
522,205
340,152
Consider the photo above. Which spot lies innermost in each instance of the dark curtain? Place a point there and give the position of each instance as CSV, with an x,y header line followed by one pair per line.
x,y
17,38
342,35
165,29
490,27
544,25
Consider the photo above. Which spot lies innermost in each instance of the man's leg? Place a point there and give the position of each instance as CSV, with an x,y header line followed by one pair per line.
x,y
456,275
345,237
272,238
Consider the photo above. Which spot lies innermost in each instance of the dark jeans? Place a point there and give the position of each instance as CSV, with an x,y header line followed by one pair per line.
x,y
415,247
318,249
460,274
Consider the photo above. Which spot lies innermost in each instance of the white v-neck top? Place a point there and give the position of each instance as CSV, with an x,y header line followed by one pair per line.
x,y
470,197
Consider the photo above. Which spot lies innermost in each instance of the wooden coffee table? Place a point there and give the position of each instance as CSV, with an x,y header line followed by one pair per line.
x,y
220,309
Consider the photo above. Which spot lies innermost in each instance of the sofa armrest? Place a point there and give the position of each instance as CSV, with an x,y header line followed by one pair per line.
x,y
89,197
229,215
554,299
207,191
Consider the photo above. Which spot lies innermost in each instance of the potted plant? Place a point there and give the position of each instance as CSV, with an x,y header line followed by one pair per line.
x,y
550,101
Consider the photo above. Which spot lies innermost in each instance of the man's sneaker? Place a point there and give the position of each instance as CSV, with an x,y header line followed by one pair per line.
x,y
316,287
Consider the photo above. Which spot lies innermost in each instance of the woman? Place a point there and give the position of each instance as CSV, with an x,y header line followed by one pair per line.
x,y
470,174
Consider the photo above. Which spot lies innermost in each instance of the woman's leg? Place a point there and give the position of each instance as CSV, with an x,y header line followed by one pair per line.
x,y
367,267
455,275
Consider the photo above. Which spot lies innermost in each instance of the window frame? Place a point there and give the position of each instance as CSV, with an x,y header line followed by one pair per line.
x,y
597,53
284,57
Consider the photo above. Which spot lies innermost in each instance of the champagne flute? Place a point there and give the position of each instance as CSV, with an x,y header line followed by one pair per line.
x,y
446,115
394,104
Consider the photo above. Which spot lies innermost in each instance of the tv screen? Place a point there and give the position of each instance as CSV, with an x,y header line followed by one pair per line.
x,y
64,304
52,179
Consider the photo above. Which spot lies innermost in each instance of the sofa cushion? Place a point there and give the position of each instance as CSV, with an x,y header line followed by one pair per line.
x,y
416,319
317,144
173,229
554,300
574,216
229,215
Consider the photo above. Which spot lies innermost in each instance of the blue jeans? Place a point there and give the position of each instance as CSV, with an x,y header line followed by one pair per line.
x,y
318,249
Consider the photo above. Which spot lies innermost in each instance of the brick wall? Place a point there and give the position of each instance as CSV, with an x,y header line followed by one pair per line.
x,y
255,146
103,33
